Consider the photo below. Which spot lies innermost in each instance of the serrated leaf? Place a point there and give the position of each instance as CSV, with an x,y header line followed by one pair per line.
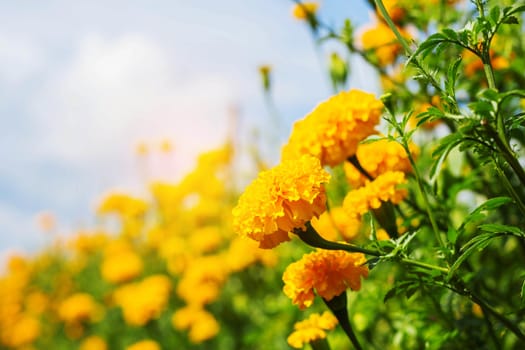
x,y
475,244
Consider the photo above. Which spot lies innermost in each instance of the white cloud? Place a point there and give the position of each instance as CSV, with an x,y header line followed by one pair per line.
x,y
19,59
116,92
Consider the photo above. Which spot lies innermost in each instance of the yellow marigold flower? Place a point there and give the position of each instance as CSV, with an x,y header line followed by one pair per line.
x,y
301,11
77,308
205,239
370,196
325,272
121,266
93,343
36,302
383,41
145,300
313,328
377,158
332,131
201,324
144,345
395,10
88,242
336,222
22,330
280,200
122,204
202,280
243,252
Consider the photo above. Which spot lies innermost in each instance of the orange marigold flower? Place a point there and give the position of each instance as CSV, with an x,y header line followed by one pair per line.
x,y
325,272
332,131
281,199
313,328
377,158
302,10
383,41
384,188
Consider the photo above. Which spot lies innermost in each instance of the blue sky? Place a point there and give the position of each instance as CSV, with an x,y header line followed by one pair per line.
x,y
81,83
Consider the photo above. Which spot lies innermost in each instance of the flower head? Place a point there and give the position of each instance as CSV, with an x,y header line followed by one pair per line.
x,y
311,329
383,42
325,272
377,158
370,196
332,131
280,200
303,10
144,345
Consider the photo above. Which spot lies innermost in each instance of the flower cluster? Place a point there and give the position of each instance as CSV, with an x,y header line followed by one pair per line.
x,y
370,196
280,200
327,273
311,329
332,131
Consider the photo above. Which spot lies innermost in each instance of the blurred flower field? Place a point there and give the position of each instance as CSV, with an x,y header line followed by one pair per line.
x,y
390,221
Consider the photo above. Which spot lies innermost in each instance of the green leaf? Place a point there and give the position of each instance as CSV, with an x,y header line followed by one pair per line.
x,y
452,235
500,228
452,74
510,20
522,294
488,205
476,244
447,144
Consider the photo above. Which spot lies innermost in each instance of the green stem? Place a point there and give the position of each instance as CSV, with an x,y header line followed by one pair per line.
x,y
320,344
338,306
424,265
388,19
508,323
312,238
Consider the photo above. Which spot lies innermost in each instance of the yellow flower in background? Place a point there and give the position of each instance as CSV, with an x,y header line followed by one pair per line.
x,y
121,266
280,200
302,10
332,131
243,252
36,302
395,10
327,273
145,300
93,343
200,323
20,331
122,204
166,146
335,223
313,328
144,345
85,242
78,308
377,158
370,196
202,280
383,42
